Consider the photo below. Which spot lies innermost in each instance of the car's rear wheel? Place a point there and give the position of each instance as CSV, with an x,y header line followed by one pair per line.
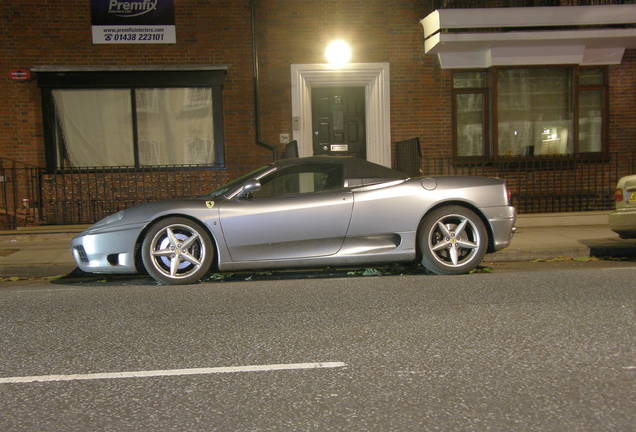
x,y
176,251
452,240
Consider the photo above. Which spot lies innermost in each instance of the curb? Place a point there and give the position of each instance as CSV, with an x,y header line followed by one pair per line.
x,y
597,248
525,254
556,235
36,270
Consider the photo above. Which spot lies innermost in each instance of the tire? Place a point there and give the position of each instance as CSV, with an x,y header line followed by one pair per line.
x,y
452,240
165,257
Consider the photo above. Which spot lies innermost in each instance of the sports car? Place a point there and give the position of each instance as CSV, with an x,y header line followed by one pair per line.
x,y
306,212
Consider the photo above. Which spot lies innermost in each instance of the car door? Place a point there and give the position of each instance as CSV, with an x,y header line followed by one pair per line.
x,y
300,211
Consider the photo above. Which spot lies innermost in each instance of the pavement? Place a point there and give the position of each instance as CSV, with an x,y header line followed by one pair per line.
x,y
45,252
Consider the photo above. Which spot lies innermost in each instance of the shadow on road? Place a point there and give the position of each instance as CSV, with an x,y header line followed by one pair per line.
x,y
78,277
611,247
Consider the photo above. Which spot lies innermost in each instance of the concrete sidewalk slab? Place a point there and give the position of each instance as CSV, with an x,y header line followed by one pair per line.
x,y
35,254
574,219
543,242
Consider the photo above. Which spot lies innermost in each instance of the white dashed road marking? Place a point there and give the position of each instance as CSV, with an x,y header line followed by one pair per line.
x,y
171,372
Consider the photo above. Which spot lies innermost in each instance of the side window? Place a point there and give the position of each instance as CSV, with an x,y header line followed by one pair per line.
x,y
301,180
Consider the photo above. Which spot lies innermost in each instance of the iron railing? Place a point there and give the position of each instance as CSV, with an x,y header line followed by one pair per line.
x,y
31,195
547,184
20,197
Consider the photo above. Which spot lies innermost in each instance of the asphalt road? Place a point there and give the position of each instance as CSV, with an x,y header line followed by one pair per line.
x,y
549,350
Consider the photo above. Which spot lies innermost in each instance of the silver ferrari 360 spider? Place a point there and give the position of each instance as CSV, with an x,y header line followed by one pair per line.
x,y
314,211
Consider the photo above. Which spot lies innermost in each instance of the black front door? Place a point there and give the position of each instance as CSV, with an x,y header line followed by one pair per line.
x,y
338,121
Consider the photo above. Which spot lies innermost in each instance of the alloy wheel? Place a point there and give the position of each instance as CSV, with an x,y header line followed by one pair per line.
x,y
454,240
177,251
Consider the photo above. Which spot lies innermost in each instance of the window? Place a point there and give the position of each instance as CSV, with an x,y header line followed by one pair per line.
x,y
301,179
133,119
172,118
470,107
592,112
534,112
542,111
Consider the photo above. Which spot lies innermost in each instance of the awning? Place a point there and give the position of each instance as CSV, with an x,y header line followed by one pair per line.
x,y
480,38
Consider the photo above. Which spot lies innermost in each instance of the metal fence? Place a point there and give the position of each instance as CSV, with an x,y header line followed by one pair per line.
x,y
548,184
31,195
20,197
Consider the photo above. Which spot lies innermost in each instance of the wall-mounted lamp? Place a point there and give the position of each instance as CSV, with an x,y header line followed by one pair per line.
x,y
338,53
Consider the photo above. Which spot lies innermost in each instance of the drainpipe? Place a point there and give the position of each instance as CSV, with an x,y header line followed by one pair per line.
x,y
256,86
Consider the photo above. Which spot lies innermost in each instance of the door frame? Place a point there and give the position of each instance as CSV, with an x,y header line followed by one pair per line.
x,y
374,77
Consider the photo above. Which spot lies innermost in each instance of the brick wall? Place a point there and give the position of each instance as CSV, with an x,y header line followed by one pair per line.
x,y
58,32
297,31
622,104
81,197
216,32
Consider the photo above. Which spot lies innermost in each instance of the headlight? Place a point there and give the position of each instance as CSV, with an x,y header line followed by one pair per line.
x,y
109,219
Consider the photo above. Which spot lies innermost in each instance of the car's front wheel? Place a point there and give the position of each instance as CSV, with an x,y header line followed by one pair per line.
x,y
177,250
452,240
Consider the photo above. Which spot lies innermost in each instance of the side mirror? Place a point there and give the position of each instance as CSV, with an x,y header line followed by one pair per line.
x,y
250,187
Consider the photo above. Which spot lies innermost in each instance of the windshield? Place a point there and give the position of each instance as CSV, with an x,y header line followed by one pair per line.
x,y
236,182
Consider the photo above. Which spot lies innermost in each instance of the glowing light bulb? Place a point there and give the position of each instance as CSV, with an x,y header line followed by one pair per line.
x,y
338,53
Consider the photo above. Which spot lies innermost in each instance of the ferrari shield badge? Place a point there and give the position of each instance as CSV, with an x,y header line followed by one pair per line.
x,y
209,204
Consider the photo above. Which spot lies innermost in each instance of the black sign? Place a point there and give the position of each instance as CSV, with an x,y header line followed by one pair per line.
x,y
133,21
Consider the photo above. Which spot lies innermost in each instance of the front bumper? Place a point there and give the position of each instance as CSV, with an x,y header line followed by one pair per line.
x,y
106,251
502,221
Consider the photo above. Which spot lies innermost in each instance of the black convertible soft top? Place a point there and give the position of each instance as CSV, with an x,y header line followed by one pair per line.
x,y
359,171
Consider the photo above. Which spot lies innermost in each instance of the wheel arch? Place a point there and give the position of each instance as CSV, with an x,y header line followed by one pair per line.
x,y
140,239
468,205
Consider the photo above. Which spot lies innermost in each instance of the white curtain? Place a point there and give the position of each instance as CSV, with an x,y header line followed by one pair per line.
x,y
470,124
174,126
96,126
591,121
534,111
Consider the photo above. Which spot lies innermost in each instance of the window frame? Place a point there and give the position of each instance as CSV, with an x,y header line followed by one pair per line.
x,y
604,88
491,114
484,91
299,169
131,80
